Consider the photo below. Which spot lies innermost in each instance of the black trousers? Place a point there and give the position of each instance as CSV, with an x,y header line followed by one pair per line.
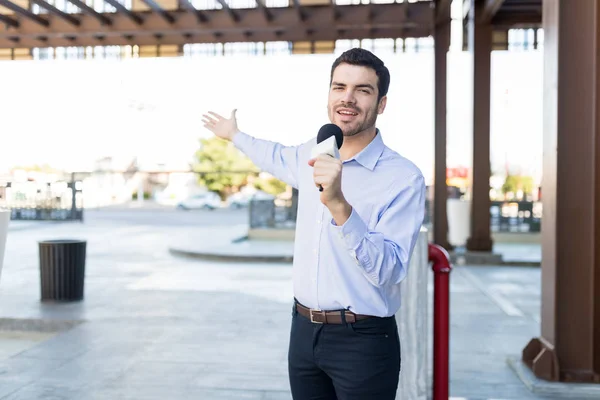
x,y
358,361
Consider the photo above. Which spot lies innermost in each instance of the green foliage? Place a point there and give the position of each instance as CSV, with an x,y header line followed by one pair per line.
x,y
513,183
227,167
271,185
147,196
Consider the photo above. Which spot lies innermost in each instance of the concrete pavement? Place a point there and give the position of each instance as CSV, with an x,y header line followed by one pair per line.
x,y
155,326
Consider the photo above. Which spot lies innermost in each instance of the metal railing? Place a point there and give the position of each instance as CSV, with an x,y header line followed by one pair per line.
x,y
43,201
506,216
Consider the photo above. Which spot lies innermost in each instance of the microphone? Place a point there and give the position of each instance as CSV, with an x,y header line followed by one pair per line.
x,y
329,141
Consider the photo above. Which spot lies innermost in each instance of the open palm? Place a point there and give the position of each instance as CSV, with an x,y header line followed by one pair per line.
x,y
222,127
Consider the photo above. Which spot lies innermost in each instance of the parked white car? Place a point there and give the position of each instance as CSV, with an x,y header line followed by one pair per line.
x,y
202,201
242,199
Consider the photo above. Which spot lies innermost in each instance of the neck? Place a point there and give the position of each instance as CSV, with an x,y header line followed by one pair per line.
x,y
355,144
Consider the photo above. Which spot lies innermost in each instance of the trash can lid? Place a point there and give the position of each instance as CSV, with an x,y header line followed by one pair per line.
x,y
61,241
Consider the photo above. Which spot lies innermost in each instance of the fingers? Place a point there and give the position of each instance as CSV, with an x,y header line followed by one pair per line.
x,y
326,170
208,120
217,116
324,158
330,165
324,181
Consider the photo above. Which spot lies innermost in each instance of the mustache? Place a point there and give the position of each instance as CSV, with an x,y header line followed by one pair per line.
x,y
348,106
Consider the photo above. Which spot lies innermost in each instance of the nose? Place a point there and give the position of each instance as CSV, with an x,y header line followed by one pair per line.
x,y
348,97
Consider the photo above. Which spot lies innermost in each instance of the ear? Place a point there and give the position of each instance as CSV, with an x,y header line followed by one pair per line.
x,y
381,105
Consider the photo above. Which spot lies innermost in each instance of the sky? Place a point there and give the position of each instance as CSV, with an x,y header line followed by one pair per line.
x,y
70,113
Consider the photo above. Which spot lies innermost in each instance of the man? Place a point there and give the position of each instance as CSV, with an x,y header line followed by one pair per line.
x,y
353,239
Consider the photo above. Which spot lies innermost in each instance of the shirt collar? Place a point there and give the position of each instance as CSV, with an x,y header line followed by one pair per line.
x,y
369,156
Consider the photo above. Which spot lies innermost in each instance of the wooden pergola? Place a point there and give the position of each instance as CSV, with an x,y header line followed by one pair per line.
x,y
569,346
150,23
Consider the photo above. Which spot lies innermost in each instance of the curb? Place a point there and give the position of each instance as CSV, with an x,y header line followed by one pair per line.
x,y
522,264
231,257
215,255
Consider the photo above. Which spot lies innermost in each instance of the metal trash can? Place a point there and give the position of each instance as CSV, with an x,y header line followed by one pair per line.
x,y
62,269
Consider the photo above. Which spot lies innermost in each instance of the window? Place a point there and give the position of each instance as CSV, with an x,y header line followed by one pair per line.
x,y
203,49
278,48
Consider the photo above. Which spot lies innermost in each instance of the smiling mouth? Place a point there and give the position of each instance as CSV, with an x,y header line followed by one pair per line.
x,y
347,113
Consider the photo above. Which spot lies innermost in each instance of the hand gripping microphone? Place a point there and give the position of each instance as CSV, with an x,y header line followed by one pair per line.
x,y
329,141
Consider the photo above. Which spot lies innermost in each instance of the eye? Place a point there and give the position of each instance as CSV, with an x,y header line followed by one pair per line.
x,y
365,91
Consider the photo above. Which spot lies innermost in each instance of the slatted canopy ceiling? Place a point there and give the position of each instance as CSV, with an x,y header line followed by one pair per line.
x,y
158,25
509,13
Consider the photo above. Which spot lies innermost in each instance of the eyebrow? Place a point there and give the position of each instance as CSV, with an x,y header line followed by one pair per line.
x,y
363,85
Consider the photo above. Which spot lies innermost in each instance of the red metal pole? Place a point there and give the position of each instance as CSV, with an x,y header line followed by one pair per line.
x,y
441,320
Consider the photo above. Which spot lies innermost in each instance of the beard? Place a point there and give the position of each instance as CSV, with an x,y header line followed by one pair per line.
x,y
356,127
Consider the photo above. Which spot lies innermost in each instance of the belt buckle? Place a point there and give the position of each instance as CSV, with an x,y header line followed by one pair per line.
x,y
312,316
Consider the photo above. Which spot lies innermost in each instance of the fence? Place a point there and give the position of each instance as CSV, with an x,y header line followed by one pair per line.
x,y
506,216
40,201
516,216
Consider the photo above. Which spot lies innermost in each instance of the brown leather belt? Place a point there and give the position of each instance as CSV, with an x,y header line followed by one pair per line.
x,y
329,317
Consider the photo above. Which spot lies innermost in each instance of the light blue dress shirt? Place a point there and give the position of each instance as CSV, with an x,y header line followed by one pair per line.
x,y
360,264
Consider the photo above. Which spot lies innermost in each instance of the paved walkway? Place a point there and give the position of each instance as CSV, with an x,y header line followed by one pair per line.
x,y
156,326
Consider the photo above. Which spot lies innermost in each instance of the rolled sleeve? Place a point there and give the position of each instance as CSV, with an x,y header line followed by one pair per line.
x,y
383,252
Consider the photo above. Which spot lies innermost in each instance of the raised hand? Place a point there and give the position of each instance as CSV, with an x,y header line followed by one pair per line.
x,y
220,126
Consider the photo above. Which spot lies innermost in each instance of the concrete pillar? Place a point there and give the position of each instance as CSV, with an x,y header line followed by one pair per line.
x,y
480,47
4,221
569,347
412,324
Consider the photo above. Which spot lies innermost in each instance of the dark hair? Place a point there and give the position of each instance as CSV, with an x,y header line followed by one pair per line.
x,y
365,58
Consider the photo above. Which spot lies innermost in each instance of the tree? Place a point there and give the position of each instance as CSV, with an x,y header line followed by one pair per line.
x,y
270,185
222,166
514,183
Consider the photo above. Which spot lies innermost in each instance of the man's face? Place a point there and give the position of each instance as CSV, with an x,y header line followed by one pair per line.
x,y
352,101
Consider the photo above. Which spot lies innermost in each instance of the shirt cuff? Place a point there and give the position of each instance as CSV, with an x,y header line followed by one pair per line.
x,y
240,139
353,231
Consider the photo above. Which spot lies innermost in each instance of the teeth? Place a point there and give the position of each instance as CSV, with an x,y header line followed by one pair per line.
x,y
347,113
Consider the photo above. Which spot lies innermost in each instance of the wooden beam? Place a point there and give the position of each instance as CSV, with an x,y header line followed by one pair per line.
x,y
490,8
25,13
234,15
9,21
441,37
55,11
441,10
124,10
297,34
160,11
299,9
91,12
353,23
200,16
334,10
261,5
519,21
